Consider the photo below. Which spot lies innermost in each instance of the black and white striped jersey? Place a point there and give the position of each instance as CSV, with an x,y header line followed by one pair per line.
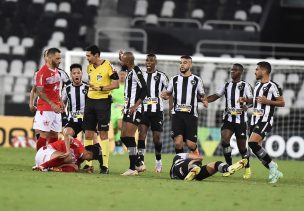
x,y
233,109
135,88
156,82
262,112
64,79
76,99
185,91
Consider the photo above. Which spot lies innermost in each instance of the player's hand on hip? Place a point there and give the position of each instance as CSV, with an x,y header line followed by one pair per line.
x,y
33,108
56,108
262,100
132,109
242,100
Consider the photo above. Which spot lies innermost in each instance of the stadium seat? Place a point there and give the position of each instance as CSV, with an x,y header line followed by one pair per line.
x,y
18,50
198,14
240,15
65,7
50,7
293,78
249,29
1,40
151,19
16,68
207,27
283,111
279,78
255,9
8,81
58,36
167,9
29,68
288,94
3,67
61,23
5,49
21,81
27,42
141,8
13,41
18,98
38,1
93,3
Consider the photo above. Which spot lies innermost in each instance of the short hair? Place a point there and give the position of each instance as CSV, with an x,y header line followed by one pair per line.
x,y
45,52
186,57
151,55
52,51
239,66
265,65
95,149
75,65
93,49
130,55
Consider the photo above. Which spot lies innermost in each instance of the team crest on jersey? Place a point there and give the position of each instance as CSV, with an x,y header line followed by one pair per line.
x,y
85,91
193,82
156,78
240,87
129,77
99,77
265,88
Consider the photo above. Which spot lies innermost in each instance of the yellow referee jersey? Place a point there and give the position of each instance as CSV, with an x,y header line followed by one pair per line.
x,y
100,76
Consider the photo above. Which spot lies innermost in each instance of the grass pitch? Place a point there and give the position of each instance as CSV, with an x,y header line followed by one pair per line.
x,y
23,189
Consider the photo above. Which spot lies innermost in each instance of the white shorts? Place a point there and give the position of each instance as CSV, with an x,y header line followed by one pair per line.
x,y
48,121
44,154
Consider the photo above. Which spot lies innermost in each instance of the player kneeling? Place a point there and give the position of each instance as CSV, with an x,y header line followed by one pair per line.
x,y
53,158
188,166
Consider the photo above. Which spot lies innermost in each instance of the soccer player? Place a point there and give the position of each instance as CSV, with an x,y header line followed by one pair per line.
x,y
102,79
53,157
135,93
75,95
49,106
235,115
266,96
186,90
188,166
153,113
116,111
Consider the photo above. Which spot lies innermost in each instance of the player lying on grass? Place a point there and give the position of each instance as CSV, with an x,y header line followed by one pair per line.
x,y
188,166
53,158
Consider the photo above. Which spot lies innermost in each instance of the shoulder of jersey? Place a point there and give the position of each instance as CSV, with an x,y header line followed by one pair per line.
x,y
137,70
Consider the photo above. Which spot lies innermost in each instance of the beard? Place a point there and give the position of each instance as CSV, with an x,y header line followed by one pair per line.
x,y
124,67
184,71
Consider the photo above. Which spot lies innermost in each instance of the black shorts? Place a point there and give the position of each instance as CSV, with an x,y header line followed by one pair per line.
x,y
181,169
64,119
155,119
97,114
135,118
76,126
184,124
240,130
261,128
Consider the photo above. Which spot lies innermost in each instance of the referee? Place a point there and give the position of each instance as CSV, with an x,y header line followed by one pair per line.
x,y
102,79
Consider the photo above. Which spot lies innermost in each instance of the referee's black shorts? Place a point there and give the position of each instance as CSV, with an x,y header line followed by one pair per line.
x,y
184,124
97,113
239,129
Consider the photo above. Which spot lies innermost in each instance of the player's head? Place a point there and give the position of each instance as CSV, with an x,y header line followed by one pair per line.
x,y
122,76
76,73
92,152
127,60
92,54
151,62
53,57
45,55
236,71
185,64
263,69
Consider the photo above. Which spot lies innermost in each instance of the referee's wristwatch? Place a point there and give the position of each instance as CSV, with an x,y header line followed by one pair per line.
x,y
101,88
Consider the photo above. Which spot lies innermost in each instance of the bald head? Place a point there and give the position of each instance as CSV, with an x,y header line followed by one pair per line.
x,y
127,60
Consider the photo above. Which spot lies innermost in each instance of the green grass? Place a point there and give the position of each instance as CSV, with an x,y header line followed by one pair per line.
x,y
23,189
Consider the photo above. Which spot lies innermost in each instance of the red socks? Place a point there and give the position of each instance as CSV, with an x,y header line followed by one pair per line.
x,y
68,169
41,142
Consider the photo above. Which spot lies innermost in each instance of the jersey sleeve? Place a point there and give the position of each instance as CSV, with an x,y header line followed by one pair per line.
x,y
276,90
170,86
165,80
64,95
141,83
40,78
112,72
248,91
221,90
200,87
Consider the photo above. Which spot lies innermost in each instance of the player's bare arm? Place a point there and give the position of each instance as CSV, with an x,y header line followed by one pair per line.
x,y
165,95
42,95
32,100
278,102
205,101
212,98
245,100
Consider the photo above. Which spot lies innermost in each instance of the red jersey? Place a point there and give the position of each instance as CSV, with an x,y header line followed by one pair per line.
x,y
49,79
76,149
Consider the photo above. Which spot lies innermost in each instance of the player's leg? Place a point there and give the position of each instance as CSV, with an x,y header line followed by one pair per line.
x,y
256,137
241,139
226,133
157,128
118,142
190,123
116,121
211,168
141,145
177,133
129,127
103,112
